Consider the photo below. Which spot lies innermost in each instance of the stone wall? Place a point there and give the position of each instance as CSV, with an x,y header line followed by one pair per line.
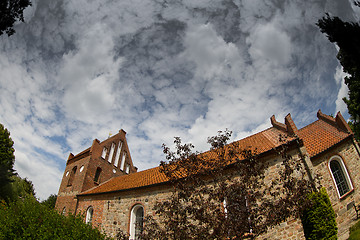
x,y
343,207
112,211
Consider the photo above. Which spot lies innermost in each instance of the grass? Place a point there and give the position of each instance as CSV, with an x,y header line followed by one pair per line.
x,y
355,232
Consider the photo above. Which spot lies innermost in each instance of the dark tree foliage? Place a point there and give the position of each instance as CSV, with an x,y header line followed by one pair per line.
x,y
224,193
21,188
50,201
7,159
10,12
347,36
29,219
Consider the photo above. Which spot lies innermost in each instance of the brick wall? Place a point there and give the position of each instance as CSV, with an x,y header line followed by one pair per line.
x,y
343,207
88,161
112,211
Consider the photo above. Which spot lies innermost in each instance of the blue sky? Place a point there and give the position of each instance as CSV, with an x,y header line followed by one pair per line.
x,y
78,70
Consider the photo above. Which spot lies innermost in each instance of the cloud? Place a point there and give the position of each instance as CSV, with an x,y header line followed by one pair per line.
x,y
78,70
88,75
268,43
343,90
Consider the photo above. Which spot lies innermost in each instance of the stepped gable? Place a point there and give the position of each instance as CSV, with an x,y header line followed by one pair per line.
x,y
324,133
261,142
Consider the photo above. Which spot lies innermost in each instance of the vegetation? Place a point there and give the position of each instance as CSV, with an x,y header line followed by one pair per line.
x,y
319,220
22,216
7,159
10,12
50,201
355,232
21,188
28,219
223,194
347,36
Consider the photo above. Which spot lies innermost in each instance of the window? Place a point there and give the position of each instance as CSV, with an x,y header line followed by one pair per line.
x,y
63,211
236,209
103,154
111,152
117,157
136,222
123,161
89,214
97,175
340,176
72,175
127,169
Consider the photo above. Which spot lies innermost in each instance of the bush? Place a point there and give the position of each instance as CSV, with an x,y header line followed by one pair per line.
x,y
319,220
355,232
28,219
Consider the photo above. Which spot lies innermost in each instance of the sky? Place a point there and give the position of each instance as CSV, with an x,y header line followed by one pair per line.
x,y
77,70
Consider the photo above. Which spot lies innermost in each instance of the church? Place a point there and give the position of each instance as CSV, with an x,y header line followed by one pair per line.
x,y
103,183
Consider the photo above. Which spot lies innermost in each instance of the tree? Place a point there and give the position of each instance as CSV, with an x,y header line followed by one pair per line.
x,y
21,188
347,36
7,159
10,12
50,201
28,219
224,193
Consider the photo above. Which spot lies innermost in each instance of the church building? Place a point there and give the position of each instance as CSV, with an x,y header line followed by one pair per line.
x,y
102,183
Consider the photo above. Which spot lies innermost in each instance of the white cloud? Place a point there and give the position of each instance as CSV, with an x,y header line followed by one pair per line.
x,y
212,55
88,76
269,43
343,90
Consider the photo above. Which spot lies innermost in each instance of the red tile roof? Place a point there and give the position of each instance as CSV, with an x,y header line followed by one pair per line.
x,y
262,142
320,136
317,137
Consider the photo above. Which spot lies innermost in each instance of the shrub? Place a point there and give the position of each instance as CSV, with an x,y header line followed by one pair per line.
x,y
319,220
28,219
355,232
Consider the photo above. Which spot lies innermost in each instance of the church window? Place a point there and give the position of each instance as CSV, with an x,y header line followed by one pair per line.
x,y
63,212
117,157
103,154
111,152
97,175
72,176
127,169
136,222
82,168
340,176
236,209
89,215
123,161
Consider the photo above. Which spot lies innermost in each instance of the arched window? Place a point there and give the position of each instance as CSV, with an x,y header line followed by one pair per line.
x,y
112,149
63,211
89,215
117,156
340,176
136,222
97,175
72,175
103,154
